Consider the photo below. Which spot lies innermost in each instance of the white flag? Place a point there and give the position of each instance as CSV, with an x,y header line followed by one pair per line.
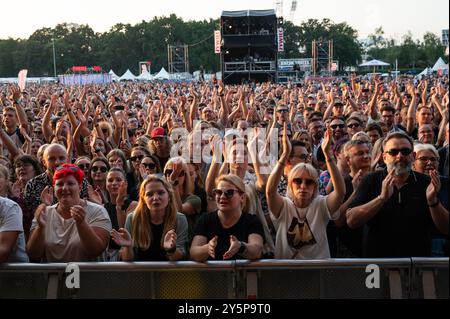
x,y
22,79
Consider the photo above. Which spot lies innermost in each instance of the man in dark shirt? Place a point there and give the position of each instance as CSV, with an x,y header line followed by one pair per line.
x,y
397,205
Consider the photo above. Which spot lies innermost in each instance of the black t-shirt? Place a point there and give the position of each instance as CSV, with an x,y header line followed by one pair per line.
x,y
401,228
209,226
112,213
155,252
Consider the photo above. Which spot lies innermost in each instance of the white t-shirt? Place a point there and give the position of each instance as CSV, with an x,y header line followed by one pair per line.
x,y
62,242
290,234
11,220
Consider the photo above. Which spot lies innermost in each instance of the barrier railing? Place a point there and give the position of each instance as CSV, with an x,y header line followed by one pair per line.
x,y
286,279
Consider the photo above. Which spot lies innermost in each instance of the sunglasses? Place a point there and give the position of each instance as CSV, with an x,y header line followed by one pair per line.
x,y
149,165
404,151
169,172
306,181
335,126
135,158
84,166
282,111
102,169
353,125
228,193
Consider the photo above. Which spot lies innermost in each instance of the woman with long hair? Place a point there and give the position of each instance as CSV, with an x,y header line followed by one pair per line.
x,y
154,231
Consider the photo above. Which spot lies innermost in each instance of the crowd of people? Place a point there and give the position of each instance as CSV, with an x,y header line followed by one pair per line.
x,y
205,171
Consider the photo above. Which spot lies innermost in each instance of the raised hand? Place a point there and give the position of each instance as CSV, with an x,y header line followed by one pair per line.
x,y
434,187
41,216
47,195
387,187
122,237
170,240
212,244
234,248
326,143
122,193
287,147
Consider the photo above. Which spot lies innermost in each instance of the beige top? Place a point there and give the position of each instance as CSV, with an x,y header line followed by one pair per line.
x,y
62,242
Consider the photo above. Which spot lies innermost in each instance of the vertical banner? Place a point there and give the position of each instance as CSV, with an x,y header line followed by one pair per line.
x,y
280,40
217,41
22,79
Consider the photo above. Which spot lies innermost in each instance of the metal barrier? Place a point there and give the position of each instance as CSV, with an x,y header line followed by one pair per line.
x,y
281,279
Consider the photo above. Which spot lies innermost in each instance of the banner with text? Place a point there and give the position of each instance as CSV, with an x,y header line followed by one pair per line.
x,y
217,41
280,40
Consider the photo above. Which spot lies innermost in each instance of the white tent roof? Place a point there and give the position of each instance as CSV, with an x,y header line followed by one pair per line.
x,y
162,75
440,65
127,76
375,63
114,76
427,71
145,76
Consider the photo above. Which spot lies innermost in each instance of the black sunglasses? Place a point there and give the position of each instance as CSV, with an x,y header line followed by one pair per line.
x,y
84,166
229,193
404,151
149,165
102,169
353,125
335,126
139,157
306,181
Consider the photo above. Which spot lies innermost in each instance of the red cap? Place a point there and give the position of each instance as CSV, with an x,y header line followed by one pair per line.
x,y
158,132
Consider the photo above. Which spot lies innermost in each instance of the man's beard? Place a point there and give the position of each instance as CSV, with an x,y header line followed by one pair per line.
x,y
399,168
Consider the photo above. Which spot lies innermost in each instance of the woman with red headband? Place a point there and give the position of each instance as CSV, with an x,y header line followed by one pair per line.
x,y
73,230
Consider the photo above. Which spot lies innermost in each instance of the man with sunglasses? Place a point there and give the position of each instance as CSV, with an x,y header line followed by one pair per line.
x,y
398,205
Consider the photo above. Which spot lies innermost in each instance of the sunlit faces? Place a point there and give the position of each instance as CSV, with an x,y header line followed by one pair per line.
x,y
374,135
54,156
113,181
299,154
358,157
398,156
156,196
85,165
426,134
136,157
9,119
25,171
228,197
424,116
67,190
304,186
149,165
100,146
116,161
98,171
338,128
238,156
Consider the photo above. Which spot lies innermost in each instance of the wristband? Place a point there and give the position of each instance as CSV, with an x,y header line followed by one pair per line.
x,y
435,204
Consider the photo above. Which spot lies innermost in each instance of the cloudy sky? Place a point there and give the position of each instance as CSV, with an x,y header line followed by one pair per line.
x,y
21,18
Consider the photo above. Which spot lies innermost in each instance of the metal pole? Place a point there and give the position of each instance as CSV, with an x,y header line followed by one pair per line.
x,y
54,57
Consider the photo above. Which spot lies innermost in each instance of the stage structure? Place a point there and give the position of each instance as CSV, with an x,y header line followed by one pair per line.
x,y
249,45
178,58
322,58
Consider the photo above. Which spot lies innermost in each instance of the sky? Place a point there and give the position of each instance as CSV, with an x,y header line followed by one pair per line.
x,y
21,18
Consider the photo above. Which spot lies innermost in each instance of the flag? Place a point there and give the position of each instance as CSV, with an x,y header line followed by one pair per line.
x,y
22,79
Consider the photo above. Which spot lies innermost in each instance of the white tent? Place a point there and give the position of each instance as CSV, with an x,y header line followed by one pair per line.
x,y
145,76
127,76
114,76
440,65
425,72
162,75
374,63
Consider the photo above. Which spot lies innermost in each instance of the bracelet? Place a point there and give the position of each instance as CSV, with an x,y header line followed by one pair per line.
x,y
435,204
379,197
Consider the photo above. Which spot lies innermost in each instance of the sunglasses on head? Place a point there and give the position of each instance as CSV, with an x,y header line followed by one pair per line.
x,y
228,193
403,151
335,126
135,158
149,165
102,169
306,181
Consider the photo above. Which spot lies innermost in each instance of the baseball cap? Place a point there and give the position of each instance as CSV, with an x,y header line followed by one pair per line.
x,y
158,132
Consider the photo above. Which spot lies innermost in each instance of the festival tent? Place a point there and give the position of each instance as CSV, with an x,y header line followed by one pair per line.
x,y
374,63
440,65
127,76
114,76
425,72
145,76
162,75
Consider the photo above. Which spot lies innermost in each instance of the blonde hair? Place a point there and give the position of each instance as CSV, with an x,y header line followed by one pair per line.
x,y
141,231
187,187
239,184
302,167
5,172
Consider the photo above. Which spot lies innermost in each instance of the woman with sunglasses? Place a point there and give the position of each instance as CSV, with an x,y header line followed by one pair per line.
x,y
99,170
176,173
84,163
301,218
228,233
73,230
118,208
149,166
154,231
138,153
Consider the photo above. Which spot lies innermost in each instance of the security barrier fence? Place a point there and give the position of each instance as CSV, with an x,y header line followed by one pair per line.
x,y
407,278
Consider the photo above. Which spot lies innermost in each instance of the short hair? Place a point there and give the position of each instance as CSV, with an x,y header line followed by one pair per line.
x,y
398,134
28,159
418,147
67,170
374,126
352,143
340,118
388,108
299,168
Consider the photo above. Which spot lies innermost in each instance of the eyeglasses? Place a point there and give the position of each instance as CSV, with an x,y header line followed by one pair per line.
x,y
426,159
353,125
84,166
335,126
228,193
282,111
102,169
404,151
169,172
306,181
135,158
149,165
